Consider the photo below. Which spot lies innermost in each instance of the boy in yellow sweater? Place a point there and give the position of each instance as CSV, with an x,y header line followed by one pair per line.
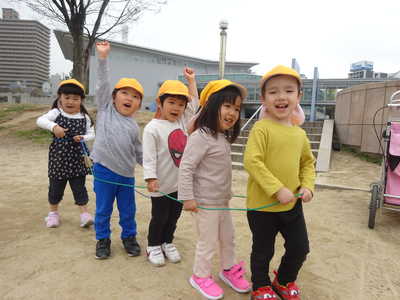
x,y
280,164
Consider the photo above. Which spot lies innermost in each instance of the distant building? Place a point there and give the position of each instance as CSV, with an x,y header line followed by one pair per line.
x,y
150,66
364,69
24,51
10,14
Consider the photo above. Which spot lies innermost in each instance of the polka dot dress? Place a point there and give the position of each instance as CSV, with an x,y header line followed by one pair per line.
x,y
65,155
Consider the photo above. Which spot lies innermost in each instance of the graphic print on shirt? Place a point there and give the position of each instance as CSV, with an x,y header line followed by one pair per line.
x,y
176,144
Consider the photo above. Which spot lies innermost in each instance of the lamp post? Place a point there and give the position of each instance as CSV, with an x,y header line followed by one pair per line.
x,y
223,25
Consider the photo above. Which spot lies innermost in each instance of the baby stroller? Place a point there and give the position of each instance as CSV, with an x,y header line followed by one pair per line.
x,y
386,193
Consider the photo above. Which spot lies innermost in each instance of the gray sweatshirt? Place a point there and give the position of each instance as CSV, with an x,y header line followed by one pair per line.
x,y
117,145
205,172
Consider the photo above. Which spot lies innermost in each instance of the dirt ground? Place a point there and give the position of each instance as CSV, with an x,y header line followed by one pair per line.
x,y
347,260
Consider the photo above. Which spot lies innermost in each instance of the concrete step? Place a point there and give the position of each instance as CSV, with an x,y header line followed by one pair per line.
x,y
314,137
311,130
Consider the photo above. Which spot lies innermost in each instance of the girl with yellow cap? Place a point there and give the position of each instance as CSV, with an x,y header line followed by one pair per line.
x,y
205,177
70,123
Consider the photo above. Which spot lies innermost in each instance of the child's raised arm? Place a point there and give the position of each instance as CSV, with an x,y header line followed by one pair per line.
x,y
103,89
193,104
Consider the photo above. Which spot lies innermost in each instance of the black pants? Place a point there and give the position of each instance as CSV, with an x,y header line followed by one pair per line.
x,y
77,184
165,213
264,227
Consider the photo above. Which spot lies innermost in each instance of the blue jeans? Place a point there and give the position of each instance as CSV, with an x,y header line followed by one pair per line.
x,y
105,195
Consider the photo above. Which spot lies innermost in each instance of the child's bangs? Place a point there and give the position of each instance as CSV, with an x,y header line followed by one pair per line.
x,y
230,94
69,89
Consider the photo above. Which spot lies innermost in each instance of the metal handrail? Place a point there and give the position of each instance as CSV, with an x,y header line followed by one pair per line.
x,y
251,118
394,102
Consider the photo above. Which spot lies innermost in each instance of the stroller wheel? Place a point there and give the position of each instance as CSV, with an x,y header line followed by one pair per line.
x,y
373,205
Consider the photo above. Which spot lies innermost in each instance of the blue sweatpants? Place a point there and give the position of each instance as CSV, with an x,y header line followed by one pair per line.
x,y
105,195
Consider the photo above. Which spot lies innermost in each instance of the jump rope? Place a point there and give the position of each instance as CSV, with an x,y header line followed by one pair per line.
x,y
89,165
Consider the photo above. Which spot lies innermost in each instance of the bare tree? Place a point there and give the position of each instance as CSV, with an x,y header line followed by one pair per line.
x,y
88,20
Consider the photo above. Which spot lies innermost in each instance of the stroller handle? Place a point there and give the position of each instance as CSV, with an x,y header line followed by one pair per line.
x,y
394,102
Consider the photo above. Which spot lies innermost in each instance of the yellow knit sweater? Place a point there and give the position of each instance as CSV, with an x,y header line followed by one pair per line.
x,y
277,156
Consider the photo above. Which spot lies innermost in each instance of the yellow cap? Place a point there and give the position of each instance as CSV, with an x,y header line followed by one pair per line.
x,y
173,87
280,70
217,85
74,82
130,82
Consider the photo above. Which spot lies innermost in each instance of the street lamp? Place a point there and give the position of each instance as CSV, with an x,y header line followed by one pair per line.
x,y
223,25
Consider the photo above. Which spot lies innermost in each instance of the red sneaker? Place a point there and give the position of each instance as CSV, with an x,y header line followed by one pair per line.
x,y
289,291
264,292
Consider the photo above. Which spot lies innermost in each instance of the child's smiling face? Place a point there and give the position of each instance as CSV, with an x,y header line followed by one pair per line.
x,y
70,103
127,101
281,97
172,108
229,114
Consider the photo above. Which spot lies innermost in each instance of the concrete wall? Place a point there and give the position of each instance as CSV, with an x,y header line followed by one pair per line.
x,y
355,109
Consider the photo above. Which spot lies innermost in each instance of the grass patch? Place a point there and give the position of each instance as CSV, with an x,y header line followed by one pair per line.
x,y
369,157
39,136
8,111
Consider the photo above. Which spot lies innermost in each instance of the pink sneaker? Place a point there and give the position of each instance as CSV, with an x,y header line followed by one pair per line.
x,y
234,278
86,219
207,287
52,219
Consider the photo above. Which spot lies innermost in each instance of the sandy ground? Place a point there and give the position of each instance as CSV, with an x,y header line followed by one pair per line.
x,y
347,260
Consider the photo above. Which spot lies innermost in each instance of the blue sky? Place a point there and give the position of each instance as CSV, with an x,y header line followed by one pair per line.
x,y
327,34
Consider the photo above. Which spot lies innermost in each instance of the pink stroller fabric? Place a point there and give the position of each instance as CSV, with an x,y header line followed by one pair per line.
x,y
393,165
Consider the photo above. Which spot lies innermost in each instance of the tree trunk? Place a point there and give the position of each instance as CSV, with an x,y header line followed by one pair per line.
x,y
78,58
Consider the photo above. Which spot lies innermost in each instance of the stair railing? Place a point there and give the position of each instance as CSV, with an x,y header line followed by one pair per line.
x,y
251,118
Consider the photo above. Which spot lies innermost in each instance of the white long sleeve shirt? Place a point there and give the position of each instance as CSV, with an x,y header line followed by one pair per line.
x,y
163,146
47,121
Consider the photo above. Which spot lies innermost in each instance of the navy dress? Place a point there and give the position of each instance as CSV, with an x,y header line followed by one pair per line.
x,y
65,155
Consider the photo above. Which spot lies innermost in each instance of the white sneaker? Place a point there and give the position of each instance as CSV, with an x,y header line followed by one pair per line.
x,y
171,252
155,256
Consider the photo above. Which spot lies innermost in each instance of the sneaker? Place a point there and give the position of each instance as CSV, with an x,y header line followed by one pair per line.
x,y
131,246
289,291
155,255
265,292
171,252
103,249
52,219
207,287
234,278
86,220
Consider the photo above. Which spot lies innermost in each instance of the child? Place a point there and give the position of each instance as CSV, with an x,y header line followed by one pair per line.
x,y
164,140
70,123
205,176
116,150
280,164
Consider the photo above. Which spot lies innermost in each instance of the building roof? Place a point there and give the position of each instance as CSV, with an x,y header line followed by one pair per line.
x,y
64,40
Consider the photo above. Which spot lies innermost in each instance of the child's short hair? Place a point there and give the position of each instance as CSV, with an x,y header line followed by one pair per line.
x,y
280,70
208,119
165,96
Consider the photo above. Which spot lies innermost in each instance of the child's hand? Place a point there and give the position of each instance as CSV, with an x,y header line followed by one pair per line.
x,y
78,138
152,185
190,205
103,49
284,196
59,131
307,195
189,74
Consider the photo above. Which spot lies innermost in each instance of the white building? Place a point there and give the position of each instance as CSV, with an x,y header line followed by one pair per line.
x,y
150,66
